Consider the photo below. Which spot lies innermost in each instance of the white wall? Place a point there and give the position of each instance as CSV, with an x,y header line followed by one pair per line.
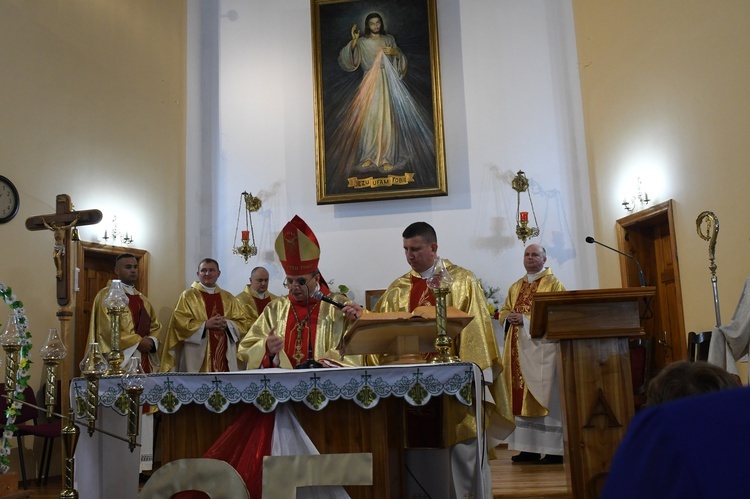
x,y
510,102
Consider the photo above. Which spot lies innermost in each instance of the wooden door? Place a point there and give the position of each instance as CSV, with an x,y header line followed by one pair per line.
x,y
649,236
96,263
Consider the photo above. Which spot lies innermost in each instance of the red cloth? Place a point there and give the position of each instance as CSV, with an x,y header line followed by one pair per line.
x,y
260,303
243,446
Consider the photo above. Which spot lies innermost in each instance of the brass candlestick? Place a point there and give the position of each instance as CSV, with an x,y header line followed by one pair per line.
x,y
134,416
443,342
133,382
11,344
440,282
116,303
53,351
93,366
70,434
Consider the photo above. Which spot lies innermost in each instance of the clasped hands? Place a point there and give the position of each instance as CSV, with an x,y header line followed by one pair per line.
x,y
515,318
216,322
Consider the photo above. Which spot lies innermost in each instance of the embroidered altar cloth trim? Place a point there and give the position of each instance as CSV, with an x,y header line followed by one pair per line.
x,y
266,388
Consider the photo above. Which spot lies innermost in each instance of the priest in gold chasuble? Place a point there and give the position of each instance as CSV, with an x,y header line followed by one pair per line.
x,y
530,373
139,329
476,343
205,328
256,296
139,336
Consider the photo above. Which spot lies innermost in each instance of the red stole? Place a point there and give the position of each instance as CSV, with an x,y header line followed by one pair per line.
x,y
522,306
141,324
217,338
260,303
420,295
298,338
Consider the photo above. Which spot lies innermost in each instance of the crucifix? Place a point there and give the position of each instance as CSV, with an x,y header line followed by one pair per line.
x,y
60,223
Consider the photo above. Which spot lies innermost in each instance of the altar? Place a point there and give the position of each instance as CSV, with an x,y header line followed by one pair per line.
x,y
345,410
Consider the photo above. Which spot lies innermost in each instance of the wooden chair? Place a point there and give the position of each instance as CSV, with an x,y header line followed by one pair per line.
x,y
28,413
640,367
698,344
49,431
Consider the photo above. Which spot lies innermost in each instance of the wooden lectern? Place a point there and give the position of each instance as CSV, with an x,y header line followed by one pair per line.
x,y
592,327
401,337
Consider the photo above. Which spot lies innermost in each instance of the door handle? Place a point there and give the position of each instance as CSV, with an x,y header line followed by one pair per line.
x,y
665,343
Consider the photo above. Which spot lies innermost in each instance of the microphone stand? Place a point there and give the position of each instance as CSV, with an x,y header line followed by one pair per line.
x,y
310,363
647,313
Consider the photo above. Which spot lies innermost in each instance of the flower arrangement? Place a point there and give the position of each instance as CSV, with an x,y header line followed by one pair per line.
x,y
22,377
491,296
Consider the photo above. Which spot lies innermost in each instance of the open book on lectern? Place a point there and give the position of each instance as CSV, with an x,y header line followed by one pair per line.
x,y
387,332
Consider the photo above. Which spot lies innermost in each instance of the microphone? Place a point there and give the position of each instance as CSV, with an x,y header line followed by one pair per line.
x,y
641,275
318,295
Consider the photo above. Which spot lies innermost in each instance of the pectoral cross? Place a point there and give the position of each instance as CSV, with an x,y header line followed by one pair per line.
x,y
298,355
60,223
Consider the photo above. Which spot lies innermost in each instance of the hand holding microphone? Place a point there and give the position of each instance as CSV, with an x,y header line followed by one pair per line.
x,y
351,310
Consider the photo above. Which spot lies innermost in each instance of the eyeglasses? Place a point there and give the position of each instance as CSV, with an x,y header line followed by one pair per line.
x,y
300,281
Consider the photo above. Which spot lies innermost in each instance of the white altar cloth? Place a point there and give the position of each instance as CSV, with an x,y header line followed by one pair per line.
x,y
105,464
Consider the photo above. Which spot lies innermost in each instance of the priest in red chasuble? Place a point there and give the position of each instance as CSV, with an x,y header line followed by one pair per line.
x,y
206,326
296,325
256,296
530,373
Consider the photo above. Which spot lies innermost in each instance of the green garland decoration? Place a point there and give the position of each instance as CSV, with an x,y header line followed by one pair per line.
x,y
22,377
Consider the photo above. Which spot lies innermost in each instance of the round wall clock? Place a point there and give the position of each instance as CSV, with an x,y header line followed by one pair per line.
x,y
9,200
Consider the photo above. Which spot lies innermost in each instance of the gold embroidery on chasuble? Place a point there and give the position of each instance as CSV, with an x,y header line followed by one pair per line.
x,y
524,403
216,356
420,295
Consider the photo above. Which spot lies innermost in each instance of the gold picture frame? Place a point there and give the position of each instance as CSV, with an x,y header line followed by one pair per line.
x,y
377,98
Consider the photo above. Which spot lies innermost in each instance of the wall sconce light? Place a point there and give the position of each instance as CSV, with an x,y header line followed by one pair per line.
x,y
641,197
246,249
114,234
523,231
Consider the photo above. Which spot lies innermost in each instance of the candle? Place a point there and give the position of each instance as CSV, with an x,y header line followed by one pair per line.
x,y
524,216
245,235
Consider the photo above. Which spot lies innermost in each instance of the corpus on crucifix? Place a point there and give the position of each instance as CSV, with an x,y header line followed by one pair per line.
x,y
60,223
